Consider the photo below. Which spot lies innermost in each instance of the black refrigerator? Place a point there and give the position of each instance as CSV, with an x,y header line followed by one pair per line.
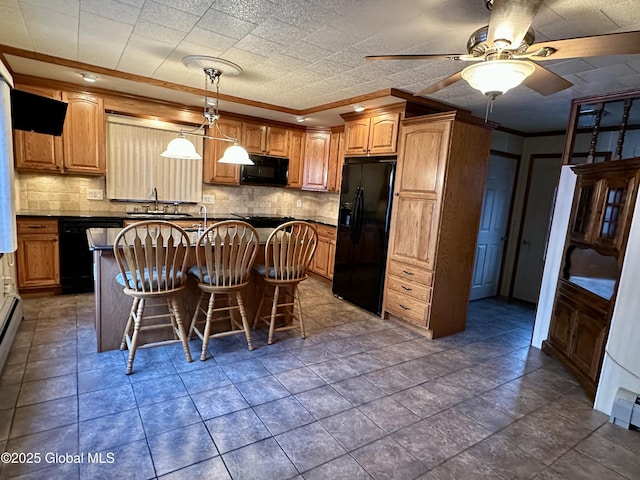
x,y
363,230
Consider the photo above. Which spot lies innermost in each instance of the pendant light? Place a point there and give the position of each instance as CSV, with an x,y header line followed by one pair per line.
x,y
182,148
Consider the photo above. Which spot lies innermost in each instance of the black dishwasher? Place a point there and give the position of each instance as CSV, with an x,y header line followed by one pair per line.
x,y
76,260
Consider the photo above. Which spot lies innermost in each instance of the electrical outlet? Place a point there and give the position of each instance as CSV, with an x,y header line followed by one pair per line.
x,y
95,194
210,199
299,203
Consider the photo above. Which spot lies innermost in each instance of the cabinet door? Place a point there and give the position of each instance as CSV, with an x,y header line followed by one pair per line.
x,y
321,258
278,141
38,260
254,138
356,135
588,344
84,144
613,208
296,158
316,161
336,157
416,206
561,329
215,172
38,151
383,133
332,258
582,221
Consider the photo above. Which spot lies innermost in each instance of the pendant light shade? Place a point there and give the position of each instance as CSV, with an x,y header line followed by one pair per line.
x,y
181,148
237,155
495,77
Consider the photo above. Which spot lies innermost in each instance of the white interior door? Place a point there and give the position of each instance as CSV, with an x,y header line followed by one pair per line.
x,y
537,218
493,226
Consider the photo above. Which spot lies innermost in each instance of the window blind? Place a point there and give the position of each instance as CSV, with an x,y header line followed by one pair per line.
x,y
135,167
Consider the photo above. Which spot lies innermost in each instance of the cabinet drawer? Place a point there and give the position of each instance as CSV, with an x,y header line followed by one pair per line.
x,y
407,307
411,273
37,225
325,231
413,289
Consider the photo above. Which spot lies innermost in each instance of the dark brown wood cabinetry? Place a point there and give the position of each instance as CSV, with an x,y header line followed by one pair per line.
x,y
594,252
372,135
265,139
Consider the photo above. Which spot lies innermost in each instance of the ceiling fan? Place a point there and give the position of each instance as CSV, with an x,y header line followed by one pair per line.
x,y
505,56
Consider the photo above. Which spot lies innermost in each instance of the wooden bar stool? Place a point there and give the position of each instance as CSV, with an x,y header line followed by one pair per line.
x,y
225,253
152,256
287,255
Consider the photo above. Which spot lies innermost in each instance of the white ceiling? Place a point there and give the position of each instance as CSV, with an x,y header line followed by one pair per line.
x,y
300,54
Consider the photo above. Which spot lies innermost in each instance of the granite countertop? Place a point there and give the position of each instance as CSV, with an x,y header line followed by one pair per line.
x,y
123,215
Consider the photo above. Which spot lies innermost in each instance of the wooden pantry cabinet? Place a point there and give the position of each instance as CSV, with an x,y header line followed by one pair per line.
x,y
336,159
80,149
316,160
38,258
296,158
442,160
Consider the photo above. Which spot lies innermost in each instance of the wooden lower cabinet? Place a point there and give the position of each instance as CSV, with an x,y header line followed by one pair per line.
x,y
438,193
578,333
324,256
38,257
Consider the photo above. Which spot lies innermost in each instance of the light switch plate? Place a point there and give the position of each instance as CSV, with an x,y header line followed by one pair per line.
x,y
210,199
299,203
94,194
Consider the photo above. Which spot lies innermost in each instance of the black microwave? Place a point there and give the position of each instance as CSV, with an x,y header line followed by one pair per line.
x,y
272,171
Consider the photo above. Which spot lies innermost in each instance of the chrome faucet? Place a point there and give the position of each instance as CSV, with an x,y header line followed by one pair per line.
x,y
154,194
202,209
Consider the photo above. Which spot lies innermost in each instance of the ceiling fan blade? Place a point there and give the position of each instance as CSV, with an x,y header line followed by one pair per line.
x,y
443,56
545,82
445,82
626,43
511,19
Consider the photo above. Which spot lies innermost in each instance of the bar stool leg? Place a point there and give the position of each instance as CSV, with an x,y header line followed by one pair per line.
x,y
245,322
175,307
274,310
134,338
207,326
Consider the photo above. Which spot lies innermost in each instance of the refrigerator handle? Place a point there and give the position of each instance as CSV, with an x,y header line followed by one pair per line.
x,y
354,216
359,210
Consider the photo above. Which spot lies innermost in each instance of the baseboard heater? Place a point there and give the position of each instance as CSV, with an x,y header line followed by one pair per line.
x,y
10,316
626,409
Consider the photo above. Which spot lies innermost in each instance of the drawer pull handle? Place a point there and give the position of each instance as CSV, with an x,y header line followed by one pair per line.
x,y
408,289
36,226
404,308
406,272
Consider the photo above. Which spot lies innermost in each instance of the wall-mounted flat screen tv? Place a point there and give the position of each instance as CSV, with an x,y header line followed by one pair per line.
x,y
36,113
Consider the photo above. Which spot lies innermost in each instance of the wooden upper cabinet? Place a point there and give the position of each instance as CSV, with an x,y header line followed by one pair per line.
x,y
375,135
84,134
214,171
296,158
316,160
336,158
265,139
38,151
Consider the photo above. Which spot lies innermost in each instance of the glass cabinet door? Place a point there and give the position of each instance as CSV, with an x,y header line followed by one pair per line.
x,y
613,205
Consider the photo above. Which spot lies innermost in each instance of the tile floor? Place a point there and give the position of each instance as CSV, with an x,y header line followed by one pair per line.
x,y
360,398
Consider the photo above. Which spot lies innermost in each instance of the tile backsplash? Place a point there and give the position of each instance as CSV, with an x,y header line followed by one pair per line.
x,y
68,193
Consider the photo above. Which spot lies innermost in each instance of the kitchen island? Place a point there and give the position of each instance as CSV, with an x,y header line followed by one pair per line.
x,y
112,306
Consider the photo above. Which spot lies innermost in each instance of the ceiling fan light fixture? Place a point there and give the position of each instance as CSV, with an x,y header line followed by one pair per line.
x,y
359,108
236,155
495,77
181,148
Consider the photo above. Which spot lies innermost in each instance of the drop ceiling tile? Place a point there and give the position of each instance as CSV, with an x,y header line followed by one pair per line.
x,y
607,73
368,71
254,11
155,31
153,12
111,9
14,28
344,80
224,24
327,67
66,7
259,46
306,51
242,58
565,67
306,15
331,38
286,63
101,40
196,7
279,32
52,32
143,55
209,39
351,57
624,13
